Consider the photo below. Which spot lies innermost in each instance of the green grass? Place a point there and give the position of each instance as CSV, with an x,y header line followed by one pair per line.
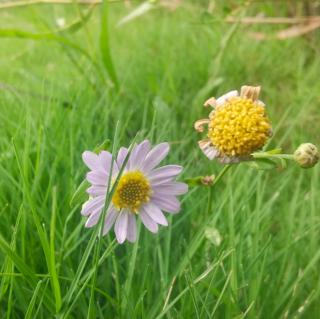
x,y
63,93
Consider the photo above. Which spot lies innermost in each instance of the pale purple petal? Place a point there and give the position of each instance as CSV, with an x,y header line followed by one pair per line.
x,y
139,154
110,219
132,228
148,221
97,190
160,181
121,156
167,203
155,213
91,160
171,188
105,159
115,168
165,171
155,156
92,204
121,227
94,217
97,178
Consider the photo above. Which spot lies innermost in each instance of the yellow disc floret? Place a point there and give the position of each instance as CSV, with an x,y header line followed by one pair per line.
x,y
132,191
239,127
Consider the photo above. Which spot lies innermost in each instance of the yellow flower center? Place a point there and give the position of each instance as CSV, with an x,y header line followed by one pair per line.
x,y
132,191
239,127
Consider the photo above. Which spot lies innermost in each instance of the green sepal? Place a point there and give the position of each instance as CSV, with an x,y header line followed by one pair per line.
x,y
274,151
196,181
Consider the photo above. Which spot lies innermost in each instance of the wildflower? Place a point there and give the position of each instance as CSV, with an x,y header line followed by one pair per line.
x,y
306,155
143,191
237,126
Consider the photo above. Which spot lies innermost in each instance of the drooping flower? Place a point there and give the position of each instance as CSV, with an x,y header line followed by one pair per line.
x,y
143,191
237,126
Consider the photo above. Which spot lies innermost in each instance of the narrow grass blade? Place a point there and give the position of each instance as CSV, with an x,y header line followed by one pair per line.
x,y
8,264
27,272
86,278
105,43
142,9
108,199
195,282
30,201
33,300
53,266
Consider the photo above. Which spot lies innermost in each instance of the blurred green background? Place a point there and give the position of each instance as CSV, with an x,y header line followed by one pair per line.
x,y
70,71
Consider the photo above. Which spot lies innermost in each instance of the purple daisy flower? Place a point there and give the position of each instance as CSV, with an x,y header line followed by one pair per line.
x,y
143,191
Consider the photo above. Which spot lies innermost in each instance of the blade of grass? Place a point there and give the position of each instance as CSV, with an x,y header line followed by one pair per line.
x,y
108,198
27,272
53,266
221,294
92,240
132,264
8,264
194,282
32,303
29,199
105,43
87,277
13,33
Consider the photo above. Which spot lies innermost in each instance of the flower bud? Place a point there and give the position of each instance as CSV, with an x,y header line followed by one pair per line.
x,y
207,180
306,155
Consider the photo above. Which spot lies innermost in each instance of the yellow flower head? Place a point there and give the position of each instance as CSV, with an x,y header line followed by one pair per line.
x,y
237,126
132,191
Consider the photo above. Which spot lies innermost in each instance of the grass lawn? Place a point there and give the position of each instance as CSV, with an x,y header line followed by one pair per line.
x,y
246,248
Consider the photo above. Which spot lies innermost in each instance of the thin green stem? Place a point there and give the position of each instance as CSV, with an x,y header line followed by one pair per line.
x,y
216,180
209,205
268,155
220,175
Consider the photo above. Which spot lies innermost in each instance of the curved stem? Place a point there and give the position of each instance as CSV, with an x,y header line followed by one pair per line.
x,y
220,175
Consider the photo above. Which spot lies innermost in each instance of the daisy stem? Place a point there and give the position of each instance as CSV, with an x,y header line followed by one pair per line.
x,y
220,175
216,180
209,206
268,155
